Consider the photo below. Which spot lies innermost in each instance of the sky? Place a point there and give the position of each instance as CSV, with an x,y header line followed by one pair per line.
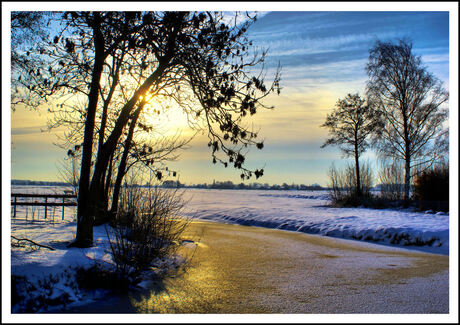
x,y
323,55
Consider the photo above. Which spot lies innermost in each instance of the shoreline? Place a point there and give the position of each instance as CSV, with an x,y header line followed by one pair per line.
x,y
345,240
245,269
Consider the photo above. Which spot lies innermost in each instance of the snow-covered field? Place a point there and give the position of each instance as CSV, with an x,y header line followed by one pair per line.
x,y
303,211
52,272
307,211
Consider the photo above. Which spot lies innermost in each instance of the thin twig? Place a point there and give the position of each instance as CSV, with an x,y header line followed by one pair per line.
x,y
32,242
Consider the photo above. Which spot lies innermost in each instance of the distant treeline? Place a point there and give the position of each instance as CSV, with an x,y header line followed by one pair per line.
x,y
215,185
177,184
242,186
39,183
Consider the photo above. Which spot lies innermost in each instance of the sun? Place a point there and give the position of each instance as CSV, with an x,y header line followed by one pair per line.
x,y
169,120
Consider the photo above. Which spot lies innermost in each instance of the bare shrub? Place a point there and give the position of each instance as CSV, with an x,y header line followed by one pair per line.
x,y
391,176
343,185
338,190
69,169
367,179
146,227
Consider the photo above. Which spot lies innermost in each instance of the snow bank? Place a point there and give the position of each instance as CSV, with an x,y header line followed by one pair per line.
x,y
46,279
48,276
307,211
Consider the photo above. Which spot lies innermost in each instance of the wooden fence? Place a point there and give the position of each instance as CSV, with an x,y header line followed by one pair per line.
x,y
16,201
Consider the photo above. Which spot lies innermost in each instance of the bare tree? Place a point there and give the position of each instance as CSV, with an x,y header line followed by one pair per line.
x,y
116,60
350,125
410,102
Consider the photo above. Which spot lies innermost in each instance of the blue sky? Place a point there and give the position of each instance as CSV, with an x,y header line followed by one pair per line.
x,y
323,57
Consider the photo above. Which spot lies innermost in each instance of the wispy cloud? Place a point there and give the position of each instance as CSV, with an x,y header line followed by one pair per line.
x,y
300,44
297,38
436,58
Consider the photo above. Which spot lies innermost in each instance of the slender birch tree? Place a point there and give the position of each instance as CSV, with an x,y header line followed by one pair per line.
x,y
410,100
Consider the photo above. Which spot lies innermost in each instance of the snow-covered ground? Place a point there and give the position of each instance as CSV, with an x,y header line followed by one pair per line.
x,y
303,211
47,277
57,267
307,211
52,272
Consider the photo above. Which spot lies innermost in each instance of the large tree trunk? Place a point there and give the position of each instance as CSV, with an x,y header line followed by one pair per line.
x,y
96,188
84,234
99,211
103,159
108,148
407,180
105,107
407,157
122,166
108,181
99,197
358,176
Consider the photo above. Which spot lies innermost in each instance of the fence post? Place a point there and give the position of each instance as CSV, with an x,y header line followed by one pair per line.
x,y
14,215
63,199
46,206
